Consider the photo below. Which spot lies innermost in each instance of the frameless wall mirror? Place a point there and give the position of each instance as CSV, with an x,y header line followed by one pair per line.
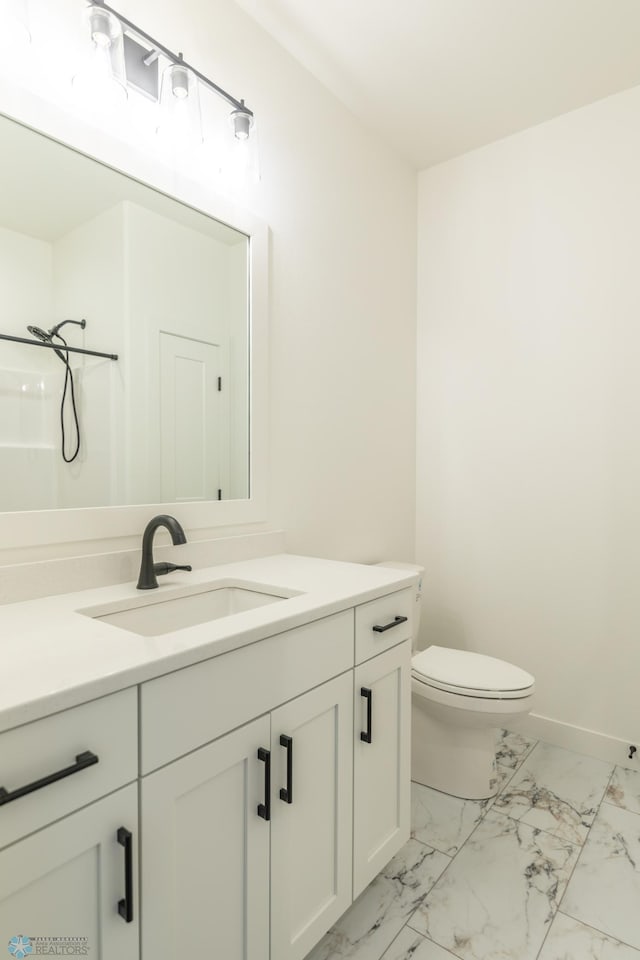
x,y
164,289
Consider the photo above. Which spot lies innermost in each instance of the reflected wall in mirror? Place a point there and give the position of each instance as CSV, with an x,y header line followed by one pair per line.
x,y
161,285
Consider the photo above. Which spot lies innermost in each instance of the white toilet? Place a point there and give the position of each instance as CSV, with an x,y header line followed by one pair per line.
x,y
460,700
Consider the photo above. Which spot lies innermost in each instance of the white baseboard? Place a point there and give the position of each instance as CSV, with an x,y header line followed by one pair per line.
x,y
589,742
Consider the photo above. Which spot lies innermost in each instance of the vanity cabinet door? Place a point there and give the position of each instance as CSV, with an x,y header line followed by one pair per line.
x,y
382,778
205,852
311,826
68,880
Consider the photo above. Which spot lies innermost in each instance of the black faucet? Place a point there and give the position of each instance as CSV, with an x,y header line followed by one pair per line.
x,y
148,569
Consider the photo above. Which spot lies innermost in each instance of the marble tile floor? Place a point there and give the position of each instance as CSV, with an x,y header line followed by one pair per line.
x,y
547,870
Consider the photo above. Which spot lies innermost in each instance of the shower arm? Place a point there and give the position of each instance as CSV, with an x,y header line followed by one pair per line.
x,y
59,346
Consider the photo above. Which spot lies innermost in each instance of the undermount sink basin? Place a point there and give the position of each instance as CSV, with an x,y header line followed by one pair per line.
x,y
151,618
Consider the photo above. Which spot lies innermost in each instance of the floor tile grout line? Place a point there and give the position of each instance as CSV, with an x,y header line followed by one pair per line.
x,y
610,936
425,939
586,839
616,806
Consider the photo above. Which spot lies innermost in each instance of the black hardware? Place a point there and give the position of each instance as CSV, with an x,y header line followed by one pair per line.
x,y
632,750
286,794
368,695
59,347
125,906
219,384
83,760
160,569
219,494
147,579
264,809
394,623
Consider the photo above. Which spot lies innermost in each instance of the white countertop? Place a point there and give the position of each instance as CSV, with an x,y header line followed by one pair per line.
x,y
52,657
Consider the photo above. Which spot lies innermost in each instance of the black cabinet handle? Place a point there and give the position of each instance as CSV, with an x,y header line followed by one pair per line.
x,y
125,907
83,760
368,695
286,794
387,626
264,809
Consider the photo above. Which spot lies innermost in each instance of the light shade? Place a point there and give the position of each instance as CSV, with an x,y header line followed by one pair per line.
x,y
100,78
242,122
180,117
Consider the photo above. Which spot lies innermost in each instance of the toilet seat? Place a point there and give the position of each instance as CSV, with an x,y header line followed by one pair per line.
x,y
471,674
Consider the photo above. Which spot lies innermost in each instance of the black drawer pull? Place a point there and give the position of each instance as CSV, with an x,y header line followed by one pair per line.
x,y
394,623
286,793
264,809
83,760
125,907
368,695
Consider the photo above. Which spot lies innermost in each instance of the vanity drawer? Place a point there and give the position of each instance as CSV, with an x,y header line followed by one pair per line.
x,y
36,752
185,709
382,613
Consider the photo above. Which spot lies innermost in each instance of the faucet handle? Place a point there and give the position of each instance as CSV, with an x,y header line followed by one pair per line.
x,y
162,567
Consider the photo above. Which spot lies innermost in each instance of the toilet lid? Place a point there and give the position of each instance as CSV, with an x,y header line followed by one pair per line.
x,y
473,674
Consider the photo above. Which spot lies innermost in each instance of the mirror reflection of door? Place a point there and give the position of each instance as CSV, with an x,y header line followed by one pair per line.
x,y
193,461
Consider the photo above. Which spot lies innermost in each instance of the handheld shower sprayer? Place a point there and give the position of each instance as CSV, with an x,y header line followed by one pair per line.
x,y
47,337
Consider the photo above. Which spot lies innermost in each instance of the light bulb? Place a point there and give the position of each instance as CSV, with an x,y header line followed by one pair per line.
x,y
179,81
242,121
99,80
180,123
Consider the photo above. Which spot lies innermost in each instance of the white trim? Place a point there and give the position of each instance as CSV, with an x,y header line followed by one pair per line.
x,y
590,742
31,528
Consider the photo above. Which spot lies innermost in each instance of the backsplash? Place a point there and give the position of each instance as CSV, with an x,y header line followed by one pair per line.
x,y
28,581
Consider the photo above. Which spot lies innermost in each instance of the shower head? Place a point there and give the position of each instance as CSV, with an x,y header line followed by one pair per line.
x,y
40,334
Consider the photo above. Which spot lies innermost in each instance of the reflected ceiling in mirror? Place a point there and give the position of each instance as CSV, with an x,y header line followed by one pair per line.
x,y
162,286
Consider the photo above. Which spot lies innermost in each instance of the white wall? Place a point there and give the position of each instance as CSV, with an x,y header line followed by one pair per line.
x,y
528,475
341,208
28,392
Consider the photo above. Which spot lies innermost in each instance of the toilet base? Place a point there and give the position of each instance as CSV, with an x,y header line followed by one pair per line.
x,y
451,752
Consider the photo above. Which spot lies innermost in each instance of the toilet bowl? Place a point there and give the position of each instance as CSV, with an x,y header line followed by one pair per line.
x,y
460,700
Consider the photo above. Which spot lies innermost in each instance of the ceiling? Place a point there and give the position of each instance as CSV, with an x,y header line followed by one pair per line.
x,y
436,78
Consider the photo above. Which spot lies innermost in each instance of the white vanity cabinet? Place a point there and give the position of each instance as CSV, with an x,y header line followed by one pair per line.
x,y
205,852
249,836
381,763
311,816
68,863
69,879
263,789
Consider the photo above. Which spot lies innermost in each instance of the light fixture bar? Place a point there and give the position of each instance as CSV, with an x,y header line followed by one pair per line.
x,y
175,58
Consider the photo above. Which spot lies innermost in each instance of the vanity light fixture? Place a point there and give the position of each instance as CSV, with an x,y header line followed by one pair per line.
x,y
177,81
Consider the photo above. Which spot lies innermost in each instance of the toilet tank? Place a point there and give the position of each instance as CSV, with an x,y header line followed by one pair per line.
x,y
410,568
